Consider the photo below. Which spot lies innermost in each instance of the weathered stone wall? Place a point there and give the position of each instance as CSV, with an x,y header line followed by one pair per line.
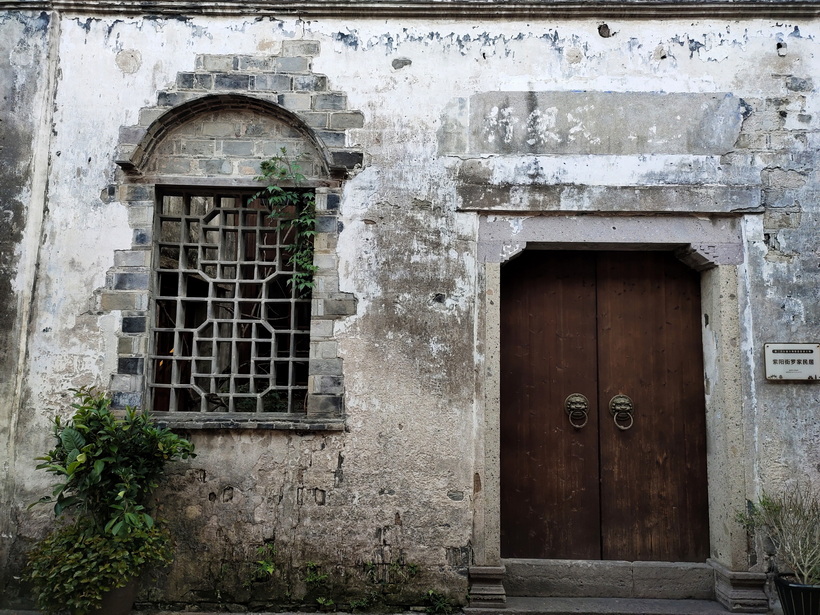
x,y
24,127
706,118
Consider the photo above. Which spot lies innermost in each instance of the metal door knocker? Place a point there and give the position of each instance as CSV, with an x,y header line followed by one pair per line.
x,y
577,407
621,409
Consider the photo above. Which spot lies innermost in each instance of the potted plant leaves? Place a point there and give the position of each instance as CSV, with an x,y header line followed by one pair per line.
x,y
791,521
107,465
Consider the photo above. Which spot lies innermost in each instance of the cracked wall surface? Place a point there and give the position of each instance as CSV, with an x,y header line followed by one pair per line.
x,y
24,88
704,119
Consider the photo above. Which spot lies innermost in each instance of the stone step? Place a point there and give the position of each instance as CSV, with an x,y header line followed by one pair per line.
x,y
609,579
518,605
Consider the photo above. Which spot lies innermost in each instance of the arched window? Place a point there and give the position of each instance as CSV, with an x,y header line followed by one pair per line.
x,y
215,333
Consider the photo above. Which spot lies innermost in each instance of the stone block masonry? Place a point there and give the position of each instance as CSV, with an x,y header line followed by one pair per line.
x,y
221,145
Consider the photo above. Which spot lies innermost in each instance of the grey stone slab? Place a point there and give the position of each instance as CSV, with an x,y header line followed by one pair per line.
x,y
595,122
683,581
602,606
639,199
570,578
611,579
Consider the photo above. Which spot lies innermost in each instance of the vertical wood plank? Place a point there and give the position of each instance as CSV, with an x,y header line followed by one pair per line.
x,y
653,476
549,470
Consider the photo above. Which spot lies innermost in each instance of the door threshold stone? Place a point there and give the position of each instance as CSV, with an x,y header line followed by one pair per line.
x,y
609,579
601,606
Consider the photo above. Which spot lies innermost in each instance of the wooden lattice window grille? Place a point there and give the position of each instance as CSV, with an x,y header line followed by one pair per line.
x,y
230,332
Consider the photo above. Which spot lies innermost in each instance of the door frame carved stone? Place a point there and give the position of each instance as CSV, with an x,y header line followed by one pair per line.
x,y
714,246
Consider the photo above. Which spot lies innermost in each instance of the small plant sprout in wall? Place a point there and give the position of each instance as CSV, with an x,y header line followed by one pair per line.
x,y
264,567
296,208
437,603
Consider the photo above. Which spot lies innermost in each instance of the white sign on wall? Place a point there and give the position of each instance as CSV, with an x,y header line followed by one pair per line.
x,y
792,361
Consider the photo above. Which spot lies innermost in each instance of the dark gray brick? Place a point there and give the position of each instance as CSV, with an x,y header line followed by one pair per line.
x,y
120,399
325,367
315,119
216,166
130,281
255,63
185,81
237,148
330,405
172,99
797,84
130,365
329,385
333,201
347,159
330,102
325,224
174,166
230,81
332,138
133,324
343,121
203,81
196,147
339,307
292,65
273,83
310,83
132,134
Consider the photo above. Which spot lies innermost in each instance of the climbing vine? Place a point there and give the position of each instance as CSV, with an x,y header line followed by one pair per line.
x,y
295,207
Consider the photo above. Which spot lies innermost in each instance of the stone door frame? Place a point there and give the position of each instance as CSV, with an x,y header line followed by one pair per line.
x,y
713,245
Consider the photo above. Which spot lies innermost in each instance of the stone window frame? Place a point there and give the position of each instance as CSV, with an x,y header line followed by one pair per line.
x,y
283,87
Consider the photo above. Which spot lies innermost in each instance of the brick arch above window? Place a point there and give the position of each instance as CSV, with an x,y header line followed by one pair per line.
x,y
227,135
281,90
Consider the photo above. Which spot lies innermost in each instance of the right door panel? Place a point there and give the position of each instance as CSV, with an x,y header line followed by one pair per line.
x,y
653,475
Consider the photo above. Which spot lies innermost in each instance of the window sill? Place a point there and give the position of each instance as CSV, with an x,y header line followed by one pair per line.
x,y
277,422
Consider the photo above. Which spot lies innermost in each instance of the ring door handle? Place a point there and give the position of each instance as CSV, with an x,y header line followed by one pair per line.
x,y
621,409
577,409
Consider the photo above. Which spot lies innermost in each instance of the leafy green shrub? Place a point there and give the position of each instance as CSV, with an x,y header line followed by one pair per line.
x,y
791,519
76,565
108,466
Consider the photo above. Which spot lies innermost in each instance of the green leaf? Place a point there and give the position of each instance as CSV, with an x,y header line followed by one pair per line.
x,y
71,439
63,503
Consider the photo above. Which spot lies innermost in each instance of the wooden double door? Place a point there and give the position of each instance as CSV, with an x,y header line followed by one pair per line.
x,y
603,438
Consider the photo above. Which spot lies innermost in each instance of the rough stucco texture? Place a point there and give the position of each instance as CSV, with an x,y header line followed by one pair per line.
x,y
23,42
23,46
